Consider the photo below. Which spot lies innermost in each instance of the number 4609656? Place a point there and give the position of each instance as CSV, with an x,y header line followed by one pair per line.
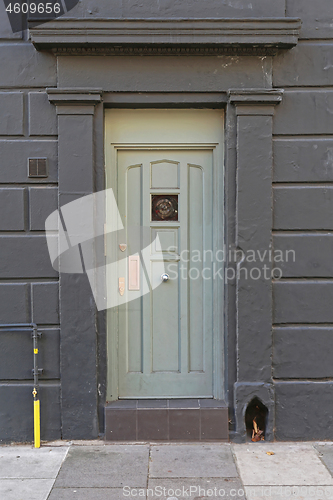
x,y
34,8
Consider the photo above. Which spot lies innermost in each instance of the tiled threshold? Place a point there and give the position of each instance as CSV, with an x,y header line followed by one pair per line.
x,y
166,420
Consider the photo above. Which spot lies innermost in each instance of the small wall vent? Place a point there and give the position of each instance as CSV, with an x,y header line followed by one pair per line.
x,y
37,167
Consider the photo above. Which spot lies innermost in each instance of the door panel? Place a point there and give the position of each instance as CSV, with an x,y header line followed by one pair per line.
x,y
166,336
165,328
164,174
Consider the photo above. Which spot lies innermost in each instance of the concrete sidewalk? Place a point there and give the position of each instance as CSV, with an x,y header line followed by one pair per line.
x,y
99,471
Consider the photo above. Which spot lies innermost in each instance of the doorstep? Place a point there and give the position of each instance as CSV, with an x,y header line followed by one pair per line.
x,y
166,420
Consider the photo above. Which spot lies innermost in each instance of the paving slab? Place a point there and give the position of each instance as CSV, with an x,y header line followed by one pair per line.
x,y
195,460
291,465
87,494
326,454
104,467
203,488
25,489
19,462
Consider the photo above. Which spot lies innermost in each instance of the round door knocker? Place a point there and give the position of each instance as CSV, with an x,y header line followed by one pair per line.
x,y
165,207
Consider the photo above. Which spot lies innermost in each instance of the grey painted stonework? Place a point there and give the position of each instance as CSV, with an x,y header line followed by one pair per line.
x,y
278,173
16,355
43,201
297,350
14,160
181,9
45,309
14,303
303,207
31,68
316,17
42,116
12,209
303,160
136,74
5,29
299,405
305,112
300,257
24,256
11,109
308,64
16,410
303,301
77,325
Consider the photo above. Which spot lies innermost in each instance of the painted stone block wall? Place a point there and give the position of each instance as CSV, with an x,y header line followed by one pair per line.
x,y
28,284
303,176
302,211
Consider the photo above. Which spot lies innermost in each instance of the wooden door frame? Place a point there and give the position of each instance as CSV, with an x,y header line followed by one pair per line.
x,y
218,361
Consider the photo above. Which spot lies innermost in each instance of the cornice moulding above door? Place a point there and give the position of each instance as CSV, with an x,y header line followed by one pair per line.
x,y
166,36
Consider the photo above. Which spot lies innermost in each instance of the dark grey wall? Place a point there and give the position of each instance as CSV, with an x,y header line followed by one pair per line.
x,y
28,284
303,175
128,9
302,215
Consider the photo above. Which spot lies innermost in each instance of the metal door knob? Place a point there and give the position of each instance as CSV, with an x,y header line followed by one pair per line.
x,y
165,277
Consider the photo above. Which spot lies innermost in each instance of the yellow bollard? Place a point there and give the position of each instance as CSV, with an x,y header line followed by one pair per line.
x,y
14,327
35,392
37,423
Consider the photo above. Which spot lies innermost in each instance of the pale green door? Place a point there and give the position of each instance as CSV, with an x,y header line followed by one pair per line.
x,y
165,337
